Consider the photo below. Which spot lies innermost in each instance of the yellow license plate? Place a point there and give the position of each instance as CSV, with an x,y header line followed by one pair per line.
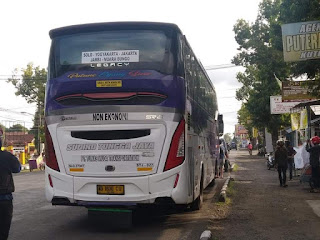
x,y
109,83
110,189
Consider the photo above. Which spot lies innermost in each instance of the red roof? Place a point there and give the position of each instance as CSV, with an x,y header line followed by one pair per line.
x,y
17,138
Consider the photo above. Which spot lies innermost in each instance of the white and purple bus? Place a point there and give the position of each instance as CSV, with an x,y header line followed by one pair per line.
x,y
131,117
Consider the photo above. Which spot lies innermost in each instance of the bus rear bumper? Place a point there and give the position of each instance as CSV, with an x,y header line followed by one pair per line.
x,y
82,191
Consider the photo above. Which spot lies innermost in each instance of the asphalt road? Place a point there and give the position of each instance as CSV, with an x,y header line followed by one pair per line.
x,y
35,218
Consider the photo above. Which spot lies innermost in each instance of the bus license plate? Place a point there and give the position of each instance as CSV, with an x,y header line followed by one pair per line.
x,y
110,189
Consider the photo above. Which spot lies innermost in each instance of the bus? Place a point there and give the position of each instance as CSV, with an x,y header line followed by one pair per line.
x,y
131,117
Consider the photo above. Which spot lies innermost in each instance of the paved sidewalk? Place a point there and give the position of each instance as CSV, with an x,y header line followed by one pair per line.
x,y
261,209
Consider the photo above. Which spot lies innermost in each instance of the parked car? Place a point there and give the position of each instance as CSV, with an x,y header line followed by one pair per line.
x,y
233,145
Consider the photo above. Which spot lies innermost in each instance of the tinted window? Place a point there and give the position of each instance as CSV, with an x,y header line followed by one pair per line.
x,y
143,49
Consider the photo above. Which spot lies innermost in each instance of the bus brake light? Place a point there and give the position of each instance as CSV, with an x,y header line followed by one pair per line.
x,y
176,151
50,155
50,180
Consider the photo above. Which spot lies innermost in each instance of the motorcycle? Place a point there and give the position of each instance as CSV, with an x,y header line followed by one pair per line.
x,y
270,161
42,166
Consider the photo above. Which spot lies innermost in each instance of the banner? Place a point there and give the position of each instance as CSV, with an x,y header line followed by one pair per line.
x,y
301,41
301,158
279,107
255,132
295,121
304,119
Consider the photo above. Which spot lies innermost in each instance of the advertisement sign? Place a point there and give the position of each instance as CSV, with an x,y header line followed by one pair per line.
x,y
304,119
297,91
279,107
301,41
255,132
295,121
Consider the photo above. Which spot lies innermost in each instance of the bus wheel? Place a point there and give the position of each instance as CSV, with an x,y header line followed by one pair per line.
x,y
197,204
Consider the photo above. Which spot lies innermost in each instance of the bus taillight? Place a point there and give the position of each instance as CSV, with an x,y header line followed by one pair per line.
x,y
176,152
50,155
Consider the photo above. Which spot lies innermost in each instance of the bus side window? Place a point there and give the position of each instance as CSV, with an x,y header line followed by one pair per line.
x,y
194,78
188,71
180,58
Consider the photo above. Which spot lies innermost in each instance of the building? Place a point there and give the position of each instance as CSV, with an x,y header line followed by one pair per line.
x,y
241,134
17,139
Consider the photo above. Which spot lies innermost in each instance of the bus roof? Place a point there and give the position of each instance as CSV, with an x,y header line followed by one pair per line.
x,y
96,27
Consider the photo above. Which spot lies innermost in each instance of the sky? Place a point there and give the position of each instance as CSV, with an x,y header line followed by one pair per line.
x,y
207,25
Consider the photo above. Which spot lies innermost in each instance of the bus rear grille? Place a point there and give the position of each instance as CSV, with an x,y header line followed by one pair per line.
x,y
140,98
110,135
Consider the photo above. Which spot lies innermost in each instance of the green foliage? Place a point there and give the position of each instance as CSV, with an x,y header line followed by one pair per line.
x,y
2,127
260,52
32,88
32,84
17,128
227,137
302,11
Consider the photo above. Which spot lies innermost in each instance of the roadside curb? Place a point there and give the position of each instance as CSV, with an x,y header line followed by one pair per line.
x,y
232,167
223,193
206,235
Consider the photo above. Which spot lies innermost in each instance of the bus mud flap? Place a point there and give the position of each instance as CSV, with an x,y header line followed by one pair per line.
x,y
110,218
191,171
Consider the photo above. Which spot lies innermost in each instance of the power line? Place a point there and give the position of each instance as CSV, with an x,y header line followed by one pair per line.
x,y
8,130
222,66
25,79
15,112
22,107
210,67
15,119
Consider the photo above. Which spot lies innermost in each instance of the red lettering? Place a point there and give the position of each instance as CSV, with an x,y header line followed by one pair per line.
x,y
138,73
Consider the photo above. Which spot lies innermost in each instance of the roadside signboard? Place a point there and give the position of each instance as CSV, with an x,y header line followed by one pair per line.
x,y
279,107
297,91
18,150
301,41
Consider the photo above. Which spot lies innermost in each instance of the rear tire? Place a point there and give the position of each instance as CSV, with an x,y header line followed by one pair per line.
x,y
197,204
212,183
312,183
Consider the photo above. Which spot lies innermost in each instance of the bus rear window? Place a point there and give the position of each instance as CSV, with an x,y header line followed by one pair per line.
x,y
126,49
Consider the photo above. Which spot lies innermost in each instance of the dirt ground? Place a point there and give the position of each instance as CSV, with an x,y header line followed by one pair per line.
x,y
259,208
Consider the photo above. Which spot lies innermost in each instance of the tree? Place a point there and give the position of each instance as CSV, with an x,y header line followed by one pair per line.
x,y
244,119
2,127
262,59
227,137
17,128
292,11
32,87
261,53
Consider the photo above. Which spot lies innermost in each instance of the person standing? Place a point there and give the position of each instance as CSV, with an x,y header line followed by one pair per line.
x,y
250,148
313,148
8,164
281,159
291,153
223,154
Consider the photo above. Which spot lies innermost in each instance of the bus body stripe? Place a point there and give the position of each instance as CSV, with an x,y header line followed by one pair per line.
x,y
112,108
